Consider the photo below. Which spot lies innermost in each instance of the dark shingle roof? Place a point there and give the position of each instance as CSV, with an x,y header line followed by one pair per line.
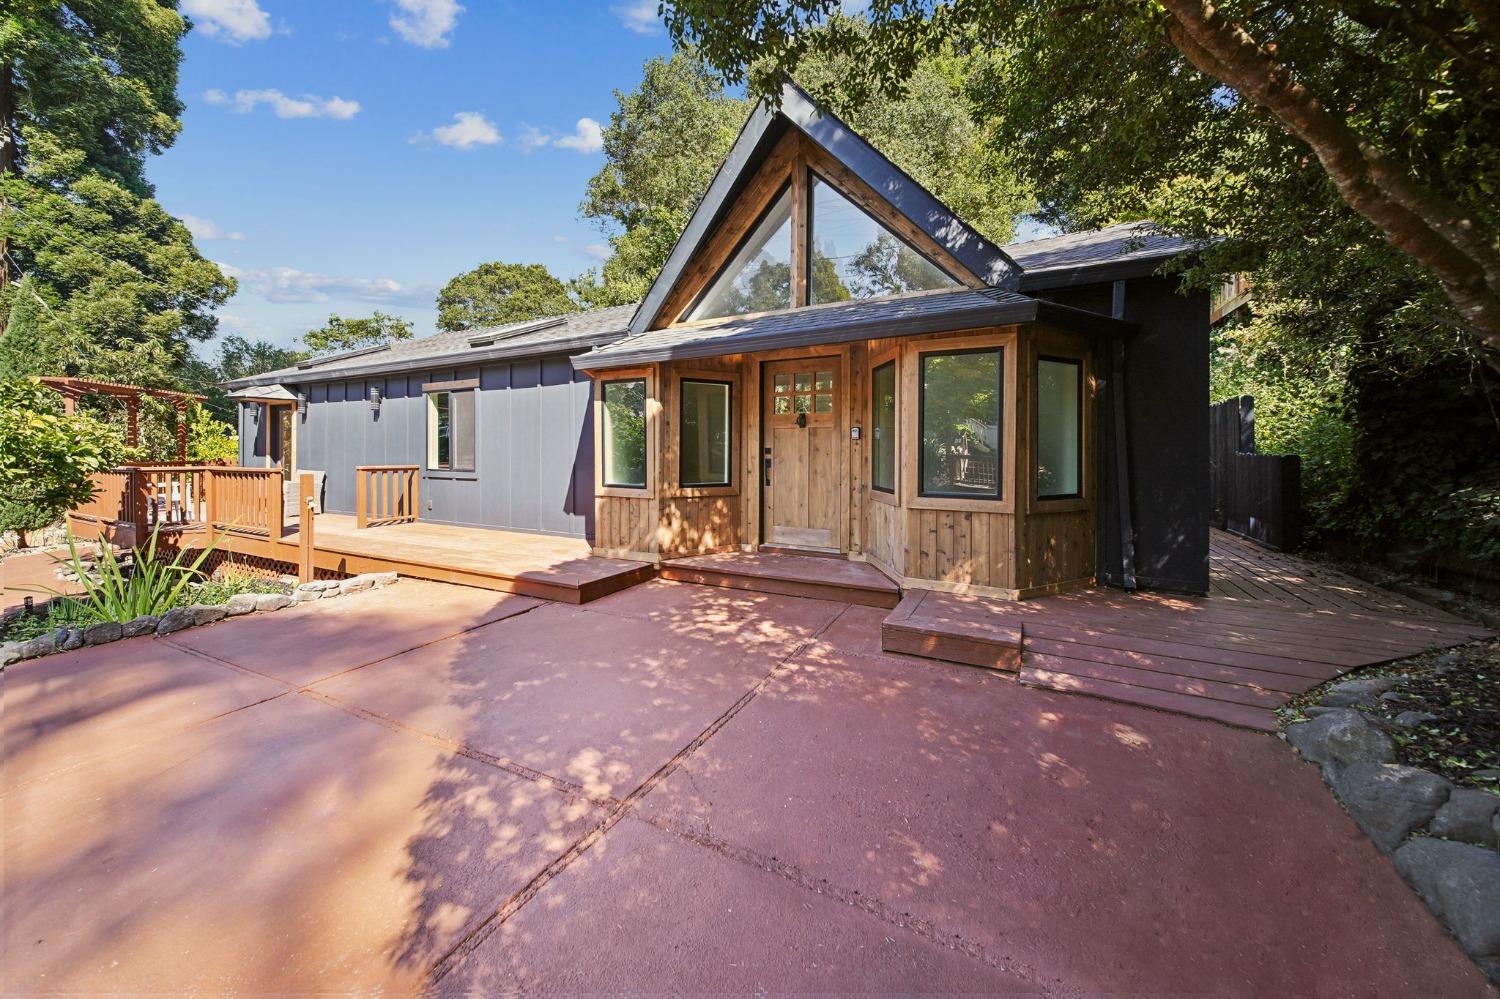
x,y
576,331
911,315
1129,249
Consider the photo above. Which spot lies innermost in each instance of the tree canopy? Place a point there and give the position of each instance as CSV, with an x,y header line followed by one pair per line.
x,y
494,294
340,334
95,277
46,456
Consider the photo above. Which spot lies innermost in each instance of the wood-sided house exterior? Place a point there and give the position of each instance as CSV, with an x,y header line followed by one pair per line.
x,y
830,362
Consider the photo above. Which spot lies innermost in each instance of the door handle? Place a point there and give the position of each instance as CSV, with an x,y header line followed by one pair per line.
x,y
766,464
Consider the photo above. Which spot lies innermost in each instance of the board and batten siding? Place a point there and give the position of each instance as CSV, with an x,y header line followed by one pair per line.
x,y
533,444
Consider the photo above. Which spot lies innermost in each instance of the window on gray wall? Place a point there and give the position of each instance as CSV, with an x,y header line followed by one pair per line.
x,y
450,430
705,432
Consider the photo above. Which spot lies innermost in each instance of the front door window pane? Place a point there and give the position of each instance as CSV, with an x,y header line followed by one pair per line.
x,y
883,451
1058,428
624,433
758,277
853,256
959,419
705,433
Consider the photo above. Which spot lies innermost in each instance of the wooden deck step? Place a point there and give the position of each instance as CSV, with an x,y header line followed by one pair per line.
x,y
789,575
954,629
1261,719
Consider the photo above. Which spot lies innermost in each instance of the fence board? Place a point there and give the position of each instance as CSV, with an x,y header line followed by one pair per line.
x,y
1257,496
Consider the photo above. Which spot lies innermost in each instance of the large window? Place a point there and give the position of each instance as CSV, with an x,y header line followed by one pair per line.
x,y
883,433
450,430
758,278
1059,425
705,436
959,417
625,433
853,256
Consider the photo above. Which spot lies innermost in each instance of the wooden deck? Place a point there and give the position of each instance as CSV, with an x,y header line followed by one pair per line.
x,y
791,575
1272,627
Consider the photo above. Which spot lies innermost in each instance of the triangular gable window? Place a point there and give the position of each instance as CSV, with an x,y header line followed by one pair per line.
x,y
853,256
759,277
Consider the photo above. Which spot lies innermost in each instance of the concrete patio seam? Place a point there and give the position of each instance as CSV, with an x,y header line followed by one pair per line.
x,y
846,896
476,937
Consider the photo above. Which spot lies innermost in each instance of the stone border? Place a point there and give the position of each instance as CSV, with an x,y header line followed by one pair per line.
x,y
1443,838
181,618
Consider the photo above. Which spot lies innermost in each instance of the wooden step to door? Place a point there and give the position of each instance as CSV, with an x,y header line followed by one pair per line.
x,y
789,575
953,628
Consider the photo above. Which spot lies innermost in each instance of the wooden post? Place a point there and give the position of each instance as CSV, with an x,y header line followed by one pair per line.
x,y
361,506
180,405
132,421
210,513
305,529
416,494
275,507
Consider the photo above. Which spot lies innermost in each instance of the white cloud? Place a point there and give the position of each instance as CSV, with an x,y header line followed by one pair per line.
x,y
639,16
598,250
587,137
426,23
306,106
202,228
560,239
288,284
233,21
469,129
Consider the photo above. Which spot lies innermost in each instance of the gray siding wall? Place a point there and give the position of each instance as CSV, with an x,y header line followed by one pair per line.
x,y
533,445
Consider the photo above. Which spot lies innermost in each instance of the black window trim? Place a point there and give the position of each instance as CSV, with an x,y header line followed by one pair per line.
x,y
895,430
999,493
604,433
429,465
729,440
1036,417
807,257
682,317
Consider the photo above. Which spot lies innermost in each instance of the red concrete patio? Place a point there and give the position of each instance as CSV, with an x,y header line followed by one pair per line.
x,y
674,788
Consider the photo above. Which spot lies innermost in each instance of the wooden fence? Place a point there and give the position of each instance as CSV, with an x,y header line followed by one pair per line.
x,y
1258,496
131,500
386,494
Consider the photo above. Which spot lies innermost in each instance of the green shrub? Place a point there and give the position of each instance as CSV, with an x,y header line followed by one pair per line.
x,y
63,612
149,585
23,517
211,441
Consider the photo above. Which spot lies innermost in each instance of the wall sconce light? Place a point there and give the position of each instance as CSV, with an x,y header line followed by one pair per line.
x,y
302,404
374,399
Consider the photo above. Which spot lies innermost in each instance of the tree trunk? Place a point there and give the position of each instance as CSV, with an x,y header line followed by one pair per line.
x,y
1434,231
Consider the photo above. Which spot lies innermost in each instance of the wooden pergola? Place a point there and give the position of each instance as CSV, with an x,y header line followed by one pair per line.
x,y
73,389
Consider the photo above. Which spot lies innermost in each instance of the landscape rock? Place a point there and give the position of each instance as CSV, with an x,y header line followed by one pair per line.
x,y
68,639
1352,692
272,601
303,596
103,633
318,585
382,579
240,603
1411,719
143,625
1469,816
1389,801
355,584
1341,738
41,645
1314,710
207,613
1460,884
10,652
174,620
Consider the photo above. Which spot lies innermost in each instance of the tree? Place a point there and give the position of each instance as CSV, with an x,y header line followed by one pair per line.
x,y
662,147
1387,107
46,456
114,287
341,334
495,294
237,358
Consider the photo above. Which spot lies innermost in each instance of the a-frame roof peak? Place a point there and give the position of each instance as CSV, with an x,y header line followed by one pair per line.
x,y
796,109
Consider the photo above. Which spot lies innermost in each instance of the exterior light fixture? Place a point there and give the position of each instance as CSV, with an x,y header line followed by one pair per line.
x,y
374,399
302,404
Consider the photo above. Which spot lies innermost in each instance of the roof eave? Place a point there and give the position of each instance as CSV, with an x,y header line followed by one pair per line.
x,y
1042,279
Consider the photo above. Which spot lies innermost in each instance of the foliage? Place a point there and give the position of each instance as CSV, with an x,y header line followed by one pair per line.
x,y
113,286
1462,741
62,612
229,580
341,334
23,517
47,457
495,294
237,357
148,584
662,146
210,440
1350,124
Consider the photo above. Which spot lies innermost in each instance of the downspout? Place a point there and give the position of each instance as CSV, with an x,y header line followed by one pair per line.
x,y
1121,449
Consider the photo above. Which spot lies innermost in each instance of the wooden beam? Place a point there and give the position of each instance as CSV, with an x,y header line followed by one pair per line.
x,y
305,515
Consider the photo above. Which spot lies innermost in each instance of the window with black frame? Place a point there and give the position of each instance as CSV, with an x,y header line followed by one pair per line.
x,y
958,414
450,430
624,433
883,428
1059,428
705,432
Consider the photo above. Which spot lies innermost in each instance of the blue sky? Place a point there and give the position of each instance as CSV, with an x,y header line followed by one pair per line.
x,y
352,155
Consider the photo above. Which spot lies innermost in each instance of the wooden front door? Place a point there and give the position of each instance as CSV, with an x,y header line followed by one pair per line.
x,y
800,452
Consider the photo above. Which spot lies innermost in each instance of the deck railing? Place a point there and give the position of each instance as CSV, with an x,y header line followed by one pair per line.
x,y
386,494
184,497
245,499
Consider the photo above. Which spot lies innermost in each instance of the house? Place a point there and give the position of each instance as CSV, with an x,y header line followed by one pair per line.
x,y
832,363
